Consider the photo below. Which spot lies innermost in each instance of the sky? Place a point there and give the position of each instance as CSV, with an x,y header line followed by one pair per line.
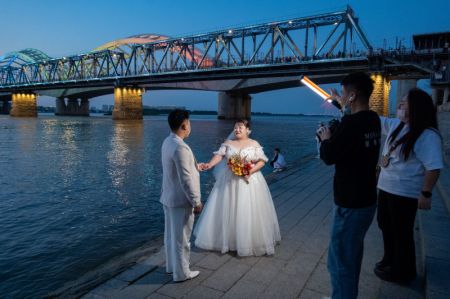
x,y
67,27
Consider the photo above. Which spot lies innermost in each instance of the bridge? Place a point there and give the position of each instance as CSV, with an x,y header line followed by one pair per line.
x,y
235,62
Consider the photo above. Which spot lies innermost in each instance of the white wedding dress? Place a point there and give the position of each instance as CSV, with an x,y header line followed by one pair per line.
x,y
238,216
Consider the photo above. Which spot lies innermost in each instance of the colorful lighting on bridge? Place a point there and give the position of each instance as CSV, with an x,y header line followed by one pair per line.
x,y
314,87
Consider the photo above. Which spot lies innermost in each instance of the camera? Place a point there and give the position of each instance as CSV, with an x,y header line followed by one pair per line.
x,y
332,125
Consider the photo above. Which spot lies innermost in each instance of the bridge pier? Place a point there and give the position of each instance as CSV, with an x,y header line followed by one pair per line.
x,y
24,105
127,103
441,98
60,106
403,86
84,106
436,95
446,99
73,107
379,100
234,105
4,107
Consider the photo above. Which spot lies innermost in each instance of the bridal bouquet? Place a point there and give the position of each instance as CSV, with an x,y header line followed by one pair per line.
x,y
239,166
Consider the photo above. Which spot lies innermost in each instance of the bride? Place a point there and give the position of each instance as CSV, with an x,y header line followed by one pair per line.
x,y
239,214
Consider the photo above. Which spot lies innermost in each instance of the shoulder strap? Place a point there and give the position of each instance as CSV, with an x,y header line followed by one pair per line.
x,y
395,144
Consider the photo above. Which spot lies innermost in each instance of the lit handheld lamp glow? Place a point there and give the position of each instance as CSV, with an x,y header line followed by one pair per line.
x,y
319,91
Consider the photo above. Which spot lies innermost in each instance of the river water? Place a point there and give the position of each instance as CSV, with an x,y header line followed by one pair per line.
x,y
76,192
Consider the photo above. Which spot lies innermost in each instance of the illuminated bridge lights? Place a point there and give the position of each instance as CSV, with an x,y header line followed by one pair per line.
x,y
147,55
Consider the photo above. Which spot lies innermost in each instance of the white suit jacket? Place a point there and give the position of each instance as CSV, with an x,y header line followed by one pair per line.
x,y
181,179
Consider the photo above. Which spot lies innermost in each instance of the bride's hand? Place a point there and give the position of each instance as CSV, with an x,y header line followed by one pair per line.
x,y
247,176
203,166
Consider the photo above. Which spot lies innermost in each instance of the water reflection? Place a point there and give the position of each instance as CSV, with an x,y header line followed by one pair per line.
x,y
26,134
76,192
126,150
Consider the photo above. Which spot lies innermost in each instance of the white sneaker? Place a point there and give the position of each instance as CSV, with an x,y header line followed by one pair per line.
x,y
192,275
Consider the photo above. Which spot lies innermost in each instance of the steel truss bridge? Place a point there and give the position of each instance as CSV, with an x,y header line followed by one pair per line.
x,y
250,59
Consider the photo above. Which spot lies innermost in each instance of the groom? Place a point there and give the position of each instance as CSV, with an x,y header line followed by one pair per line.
x,y
180,196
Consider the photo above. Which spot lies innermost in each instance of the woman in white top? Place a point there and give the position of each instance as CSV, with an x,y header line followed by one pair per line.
x,y
239,214
410,166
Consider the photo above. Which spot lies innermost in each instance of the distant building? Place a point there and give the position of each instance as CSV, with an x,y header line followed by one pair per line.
x,y
107,108
44,109
164,107
156,110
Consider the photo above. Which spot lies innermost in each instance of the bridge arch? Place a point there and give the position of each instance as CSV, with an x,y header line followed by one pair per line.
x,y
22,57
125,46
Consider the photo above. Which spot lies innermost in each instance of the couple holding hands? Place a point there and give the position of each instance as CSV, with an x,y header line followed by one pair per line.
x,y
239,214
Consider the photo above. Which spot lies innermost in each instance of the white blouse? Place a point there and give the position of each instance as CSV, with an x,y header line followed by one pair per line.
x,y
405,178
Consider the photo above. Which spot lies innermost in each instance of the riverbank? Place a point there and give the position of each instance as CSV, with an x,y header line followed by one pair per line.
x,y
303,199
150,250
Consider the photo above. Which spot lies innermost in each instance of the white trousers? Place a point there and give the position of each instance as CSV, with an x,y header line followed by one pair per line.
x,y
177,233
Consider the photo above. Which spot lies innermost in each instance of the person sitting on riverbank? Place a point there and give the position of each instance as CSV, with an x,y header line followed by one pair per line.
x,y
278,162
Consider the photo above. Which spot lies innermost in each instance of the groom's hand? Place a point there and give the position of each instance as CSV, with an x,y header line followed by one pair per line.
x,y
198,209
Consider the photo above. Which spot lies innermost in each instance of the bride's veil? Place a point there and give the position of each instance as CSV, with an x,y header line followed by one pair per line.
x,y
231,136
222,166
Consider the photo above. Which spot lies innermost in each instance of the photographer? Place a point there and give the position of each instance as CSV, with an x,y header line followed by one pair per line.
x,y
353,148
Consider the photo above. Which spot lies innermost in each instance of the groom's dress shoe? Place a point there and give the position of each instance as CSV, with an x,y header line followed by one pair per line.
x,y
192,275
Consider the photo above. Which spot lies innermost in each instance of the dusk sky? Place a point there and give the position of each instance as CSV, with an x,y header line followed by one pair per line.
x,y
64,27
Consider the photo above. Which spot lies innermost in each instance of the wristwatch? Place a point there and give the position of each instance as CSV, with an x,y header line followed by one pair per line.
x,y
426,194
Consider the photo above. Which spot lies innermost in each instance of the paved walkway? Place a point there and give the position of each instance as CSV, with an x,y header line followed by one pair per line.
x,y
435,239
303,200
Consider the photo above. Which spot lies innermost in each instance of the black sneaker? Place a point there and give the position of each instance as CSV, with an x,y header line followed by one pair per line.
x,y
381,264
385,274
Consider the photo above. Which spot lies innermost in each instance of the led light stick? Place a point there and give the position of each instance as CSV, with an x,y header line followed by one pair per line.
x,y
319,91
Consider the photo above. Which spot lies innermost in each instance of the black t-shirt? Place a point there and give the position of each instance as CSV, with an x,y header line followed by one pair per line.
x,y
354,148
